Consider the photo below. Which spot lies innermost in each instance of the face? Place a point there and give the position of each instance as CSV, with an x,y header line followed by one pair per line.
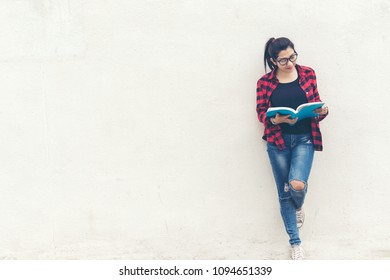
x,y
287,54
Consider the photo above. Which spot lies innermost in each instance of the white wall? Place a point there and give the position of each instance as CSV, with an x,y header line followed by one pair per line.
x,y
129,129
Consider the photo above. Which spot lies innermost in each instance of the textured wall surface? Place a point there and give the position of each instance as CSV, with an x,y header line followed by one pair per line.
x,y
129,130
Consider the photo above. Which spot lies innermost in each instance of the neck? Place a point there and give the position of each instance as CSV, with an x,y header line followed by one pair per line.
x,y
282,75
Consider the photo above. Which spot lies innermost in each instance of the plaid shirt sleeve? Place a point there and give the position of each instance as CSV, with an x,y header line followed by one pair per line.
x,y
272,133
262,101
317,96
313,96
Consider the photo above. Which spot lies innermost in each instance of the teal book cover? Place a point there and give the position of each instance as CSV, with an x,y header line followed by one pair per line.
x,y
302,112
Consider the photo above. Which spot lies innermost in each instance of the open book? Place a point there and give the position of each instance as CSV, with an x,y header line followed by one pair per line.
x,y
302,112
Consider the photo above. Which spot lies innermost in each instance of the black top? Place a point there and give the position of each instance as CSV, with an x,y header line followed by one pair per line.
x,y
291,95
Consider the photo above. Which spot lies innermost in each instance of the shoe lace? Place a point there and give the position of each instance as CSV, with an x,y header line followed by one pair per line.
x,y
300,216
297,253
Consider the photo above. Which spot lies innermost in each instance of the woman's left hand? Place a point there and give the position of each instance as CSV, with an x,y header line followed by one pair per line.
x,y
321,111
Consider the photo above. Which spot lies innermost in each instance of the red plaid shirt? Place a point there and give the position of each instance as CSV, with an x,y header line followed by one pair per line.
x,y
267,84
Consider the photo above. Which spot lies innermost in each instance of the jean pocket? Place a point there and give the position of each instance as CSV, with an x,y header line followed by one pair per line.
x,y
306,139
309,141
271,147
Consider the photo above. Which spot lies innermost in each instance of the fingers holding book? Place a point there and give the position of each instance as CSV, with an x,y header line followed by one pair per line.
x,y
321,111
278,119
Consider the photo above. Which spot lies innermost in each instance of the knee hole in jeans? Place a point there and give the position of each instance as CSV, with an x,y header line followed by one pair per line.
x,y
297,185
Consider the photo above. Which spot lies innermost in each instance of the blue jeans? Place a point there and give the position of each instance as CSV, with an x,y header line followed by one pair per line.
x,y
292,163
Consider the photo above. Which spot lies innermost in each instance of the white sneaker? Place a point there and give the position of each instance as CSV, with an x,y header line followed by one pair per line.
x,y
300,217
297,252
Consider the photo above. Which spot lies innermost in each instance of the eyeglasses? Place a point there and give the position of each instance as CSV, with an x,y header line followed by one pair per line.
x,y
284,61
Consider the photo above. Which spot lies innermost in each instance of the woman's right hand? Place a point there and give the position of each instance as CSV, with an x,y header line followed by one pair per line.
x,y
278,119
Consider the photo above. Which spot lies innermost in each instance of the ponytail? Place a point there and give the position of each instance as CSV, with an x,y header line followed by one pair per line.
x,y
272,49
267,56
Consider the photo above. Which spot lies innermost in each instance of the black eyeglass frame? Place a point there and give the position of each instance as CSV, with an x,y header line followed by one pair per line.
x,y
287,59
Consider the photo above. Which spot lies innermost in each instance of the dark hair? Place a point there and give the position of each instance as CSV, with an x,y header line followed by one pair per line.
x,y
272,49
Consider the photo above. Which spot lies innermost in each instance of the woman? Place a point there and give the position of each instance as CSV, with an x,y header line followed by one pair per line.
x,y
290,143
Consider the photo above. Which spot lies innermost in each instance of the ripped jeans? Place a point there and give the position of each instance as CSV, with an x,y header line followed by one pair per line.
x,y
292,163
